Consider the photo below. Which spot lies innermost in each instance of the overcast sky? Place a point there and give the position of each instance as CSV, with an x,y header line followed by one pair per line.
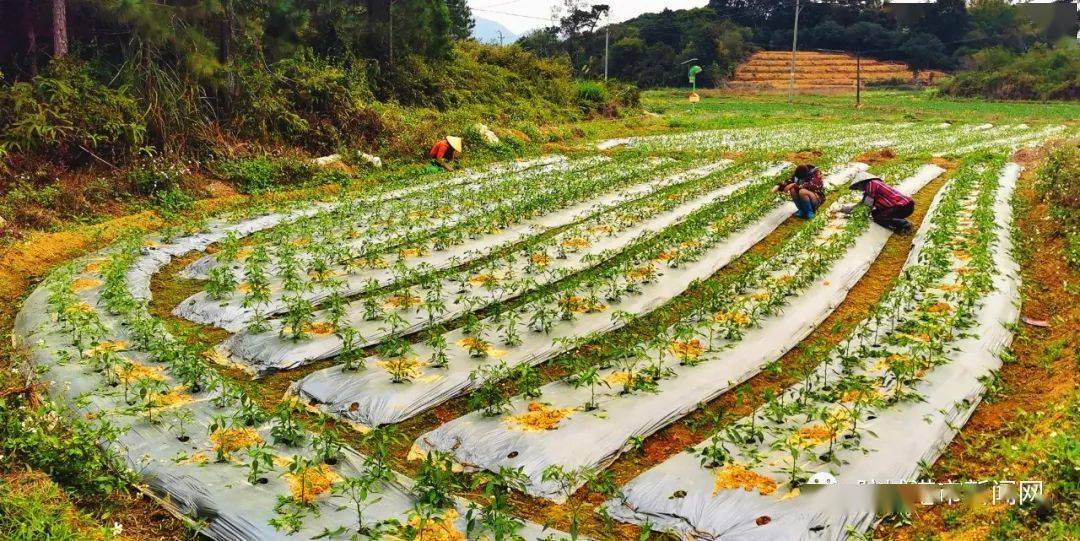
x,y
520,16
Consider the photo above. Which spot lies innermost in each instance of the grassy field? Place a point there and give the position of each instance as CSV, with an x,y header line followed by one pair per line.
x,y
1029,424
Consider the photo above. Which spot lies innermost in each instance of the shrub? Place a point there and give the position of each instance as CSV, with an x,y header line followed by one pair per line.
x,y
1057,185
68,451
590,96
65,113
333,176
606,98
306,100
148,178
258,174
172,201
1041,73
33,508
251,175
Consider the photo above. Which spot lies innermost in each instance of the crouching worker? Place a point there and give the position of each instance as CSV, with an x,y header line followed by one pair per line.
x,y
445,151
888,207
806,189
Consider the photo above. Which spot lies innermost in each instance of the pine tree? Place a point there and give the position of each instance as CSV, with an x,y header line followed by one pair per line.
x,y
461,19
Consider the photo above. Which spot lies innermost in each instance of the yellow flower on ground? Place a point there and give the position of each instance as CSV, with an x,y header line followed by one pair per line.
x,y
581,305
809,436
323,275
540,259
436,528
483,279
939,308
135,371
733,476
320,328
306,485
412,366
638,274
538,418
175,397
105,347
619,378
576,243
686,350
859,395
737,317
82,284
667,255
369,263
80,307
228,440
403,301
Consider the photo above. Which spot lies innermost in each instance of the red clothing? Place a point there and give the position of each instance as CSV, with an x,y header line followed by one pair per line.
x,y
441,151
883,195
815,183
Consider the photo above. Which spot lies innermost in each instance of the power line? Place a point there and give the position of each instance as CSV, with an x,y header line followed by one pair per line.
x,y
549,19
500,4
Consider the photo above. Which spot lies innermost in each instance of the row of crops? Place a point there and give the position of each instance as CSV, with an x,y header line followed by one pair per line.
x,y
465,286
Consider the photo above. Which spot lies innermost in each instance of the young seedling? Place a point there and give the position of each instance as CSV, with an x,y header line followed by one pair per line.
x,y
488,396
436,481
260,461
494,520
352,354
327,447
437,342
286,429
181,418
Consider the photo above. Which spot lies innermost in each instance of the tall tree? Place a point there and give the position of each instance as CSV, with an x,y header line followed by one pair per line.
x,y
30,24
379,28
59,28
461,19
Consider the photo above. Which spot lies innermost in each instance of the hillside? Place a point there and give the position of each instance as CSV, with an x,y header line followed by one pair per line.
x,y
821,72
489,31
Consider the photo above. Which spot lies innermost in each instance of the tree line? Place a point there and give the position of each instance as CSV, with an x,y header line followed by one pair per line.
x,y
652,49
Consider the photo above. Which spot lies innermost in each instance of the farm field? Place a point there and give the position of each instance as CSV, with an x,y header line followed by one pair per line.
x,y
626,338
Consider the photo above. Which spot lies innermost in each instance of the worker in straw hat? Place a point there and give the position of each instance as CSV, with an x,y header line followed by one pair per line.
x,y
806,189
444,151
888,207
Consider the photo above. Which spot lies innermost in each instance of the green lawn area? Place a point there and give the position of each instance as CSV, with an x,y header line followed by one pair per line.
x,y
730,110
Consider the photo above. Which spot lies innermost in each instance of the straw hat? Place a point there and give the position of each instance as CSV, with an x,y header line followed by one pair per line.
x,y
455,142
860,178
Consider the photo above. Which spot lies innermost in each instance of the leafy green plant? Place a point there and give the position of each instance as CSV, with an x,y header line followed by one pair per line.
x,y
436,481
260,461
67,114
494,519
286,428
488,395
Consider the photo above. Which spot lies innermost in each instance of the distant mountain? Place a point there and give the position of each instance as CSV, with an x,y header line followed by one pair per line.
x,y
487,31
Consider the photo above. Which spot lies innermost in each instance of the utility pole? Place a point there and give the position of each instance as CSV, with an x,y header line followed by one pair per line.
x,y
858,79
607,35
794,47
